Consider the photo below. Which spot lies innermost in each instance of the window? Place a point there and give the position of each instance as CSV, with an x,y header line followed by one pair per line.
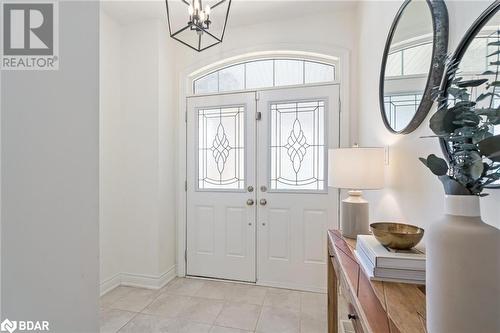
x,y
475,61
221,148
264,73
400,109
411,60
298,146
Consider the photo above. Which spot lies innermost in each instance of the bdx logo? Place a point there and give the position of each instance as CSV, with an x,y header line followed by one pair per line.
x,y
29,35
8,325
24,325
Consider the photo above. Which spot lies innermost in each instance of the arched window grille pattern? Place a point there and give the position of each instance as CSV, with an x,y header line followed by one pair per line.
x,y
406,69
264,73
413,59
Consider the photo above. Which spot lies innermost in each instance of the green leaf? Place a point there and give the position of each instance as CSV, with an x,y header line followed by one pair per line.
x,y
495,83
481,135
488,73
452,187
495,43
486,111
493,54
495,63
458,93
464,104
484,95
441,122
472,83
490,147
437,165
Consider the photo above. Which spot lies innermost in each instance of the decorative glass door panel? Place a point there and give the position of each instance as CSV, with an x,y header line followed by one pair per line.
x,y
220,167
298,146
221,148
258,185
295,207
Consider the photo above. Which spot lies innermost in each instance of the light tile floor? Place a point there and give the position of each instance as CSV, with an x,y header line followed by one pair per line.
x,y
202,306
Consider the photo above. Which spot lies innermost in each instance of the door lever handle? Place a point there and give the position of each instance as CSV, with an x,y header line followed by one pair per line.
x,y
250,202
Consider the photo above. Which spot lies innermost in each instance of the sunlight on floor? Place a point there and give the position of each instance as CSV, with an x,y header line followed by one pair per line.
x,y
201,306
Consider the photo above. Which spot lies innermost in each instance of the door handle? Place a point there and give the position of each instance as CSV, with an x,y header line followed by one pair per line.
x,y
263,202
250,202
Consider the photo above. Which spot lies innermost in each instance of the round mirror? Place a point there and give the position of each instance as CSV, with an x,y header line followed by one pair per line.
x,y
413,63
477,59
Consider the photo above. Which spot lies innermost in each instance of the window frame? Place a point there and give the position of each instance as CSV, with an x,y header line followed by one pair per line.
x,y
332,63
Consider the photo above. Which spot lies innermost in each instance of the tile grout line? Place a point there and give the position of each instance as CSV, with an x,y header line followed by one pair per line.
x,y
135,315
260,312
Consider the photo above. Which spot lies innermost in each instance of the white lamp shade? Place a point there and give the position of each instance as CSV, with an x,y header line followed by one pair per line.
x,y
356,168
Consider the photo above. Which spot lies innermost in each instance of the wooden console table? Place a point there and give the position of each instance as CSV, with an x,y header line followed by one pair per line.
x,y
368,306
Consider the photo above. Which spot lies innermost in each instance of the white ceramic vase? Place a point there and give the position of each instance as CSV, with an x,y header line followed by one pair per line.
x,y
463,270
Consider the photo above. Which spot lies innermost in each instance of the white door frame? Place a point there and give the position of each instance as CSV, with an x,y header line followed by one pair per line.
x,y
185,90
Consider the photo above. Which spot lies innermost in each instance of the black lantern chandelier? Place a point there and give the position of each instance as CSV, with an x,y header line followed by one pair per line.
x,y
199,25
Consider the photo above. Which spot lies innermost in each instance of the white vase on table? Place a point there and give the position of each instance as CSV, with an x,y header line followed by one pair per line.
x,y
463,270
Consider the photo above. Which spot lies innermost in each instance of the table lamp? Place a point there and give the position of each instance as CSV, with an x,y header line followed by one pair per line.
x,y
355,169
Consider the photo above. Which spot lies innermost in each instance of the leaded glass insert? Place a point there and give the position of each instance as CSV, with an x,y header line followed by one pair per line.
x,y
400,109
221,148
298,146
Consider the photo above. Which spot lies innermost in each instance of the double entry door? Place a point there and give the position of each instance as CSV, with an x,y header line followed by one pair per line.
x,y
258,202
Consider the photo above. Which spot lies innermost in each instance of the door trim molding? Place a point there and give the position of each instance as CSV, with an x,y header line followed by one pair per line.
x,y
348,133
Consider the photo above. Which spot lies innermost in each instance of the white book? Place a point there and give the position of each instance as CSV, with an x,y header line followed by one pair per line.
x,y
369,271
394,273
381,257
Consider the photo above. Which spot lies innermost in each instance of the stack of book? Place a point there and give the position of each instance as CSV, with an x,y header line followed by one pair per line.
x,y
381,263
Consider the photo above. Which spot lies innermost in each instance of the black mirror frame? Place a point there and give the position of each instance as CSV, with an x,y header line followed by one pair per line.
x,y
457,56
439,15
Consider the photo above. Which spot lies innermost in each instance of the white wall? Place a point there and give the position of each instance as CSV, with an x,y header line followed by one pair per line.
x,y
50,124
331,33
111,150
412,193
138,117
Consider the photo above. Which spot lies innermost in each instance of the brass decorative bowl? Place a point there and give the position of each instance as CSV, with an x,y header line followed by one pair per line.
x,y
397,236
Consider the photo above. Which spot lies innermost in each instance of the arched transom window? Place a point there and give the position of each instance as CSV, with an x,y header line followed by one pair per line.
x,y
264,73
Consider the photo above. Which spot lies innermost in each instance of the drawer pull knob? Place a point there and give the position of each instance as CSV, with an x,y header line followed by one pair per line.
x,y
351,316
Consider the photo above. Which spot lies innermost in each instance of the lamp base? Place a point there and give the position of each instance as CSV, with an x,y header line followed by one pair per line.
x,y
355,219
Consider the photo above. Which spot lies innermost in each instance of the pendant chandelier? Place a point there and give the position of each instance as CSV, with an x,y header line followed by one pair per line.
x,y
196,24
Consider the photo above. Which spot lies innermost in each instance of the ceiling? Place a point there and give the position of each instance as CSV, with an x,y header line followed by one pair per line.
x,y
243,12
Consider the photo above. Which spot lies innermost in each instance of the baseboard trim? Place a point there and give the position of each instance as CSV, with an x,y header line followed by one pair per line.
x,y
291,286
110,284
138,280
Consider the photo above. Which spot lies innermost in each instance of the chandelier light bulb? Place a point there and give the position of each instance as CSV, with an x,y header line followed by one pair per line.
x,y
207,10
196,5
190,10
202,16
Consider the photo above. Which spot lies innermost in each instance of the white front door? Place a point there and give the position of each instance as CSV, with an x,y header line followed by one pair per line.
x,y
265,174
295,206
220,168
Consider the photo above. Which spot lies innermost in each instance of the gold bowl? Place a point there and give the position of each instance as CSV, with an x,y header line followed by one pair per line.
x,y
397,236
